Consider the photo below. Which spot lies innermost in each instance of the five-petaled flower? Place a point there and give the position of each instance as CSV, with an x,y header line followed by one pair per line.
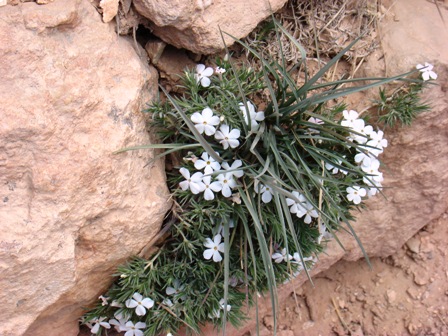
x,y
139,303
355,193
228,137
233,168
227,182
194,182
208,163
205,122
202,74
134,329
210,187
97,323
213,248
280,256
426,71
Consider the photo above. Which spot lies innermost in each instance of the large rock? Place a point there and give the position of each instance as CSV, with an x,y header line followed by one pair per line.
x,y
194,25
416,160
71,93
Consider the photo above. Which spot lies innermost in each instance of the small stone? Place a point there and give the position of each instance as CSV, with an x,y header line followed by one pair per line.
x,y
391,296
3,3
413,293
342,304
421,278
110,9
308,325
155,48
413,245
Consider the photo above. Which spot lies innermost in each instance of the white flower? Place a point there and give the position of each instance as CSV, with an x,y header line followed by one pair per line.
x,y
139,303
219,70
294,205
217,313
210,187
134,330
373,171
279,257
176,289
116,304
265,191
119,322
298,261
214,247
364,159
308,211
363,137
202,75
426,71
169,334
236,164
335,170
194,183
254,116
377,142
355,193
97,323
208,163
227,183
104,299
205,121
314,121
167,302
228,137
351,120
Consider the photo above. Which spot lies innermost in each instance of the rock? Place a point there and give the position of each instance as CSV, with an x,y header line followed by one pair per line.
x,y
155,48
416,173
110,9
391,296
71,94
3,3
413,245
194,25
421,277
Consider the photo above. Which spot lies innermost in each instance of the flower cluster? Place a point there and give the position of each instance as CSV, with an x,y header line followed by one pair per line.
x,y
120,321
370,144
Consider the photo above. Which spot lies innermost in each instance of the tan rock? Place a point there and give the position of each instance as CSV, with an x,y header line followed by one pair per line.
x,y
71,210
110,9
194,25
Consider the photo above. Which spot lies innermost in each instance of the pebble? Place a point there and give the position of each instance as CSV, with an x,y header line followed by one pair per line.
x,y
413,245
391,296
413,293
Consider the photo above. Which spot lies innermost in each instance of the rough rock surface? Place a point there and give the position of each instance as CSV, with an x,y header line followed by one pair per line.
x,y
415,161
194,25
70,210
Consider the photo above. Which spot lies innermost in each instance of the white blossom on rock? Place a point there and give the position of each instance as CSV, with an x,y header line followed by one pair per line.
x,y
139,303
205,121
213,248
426,71
202,74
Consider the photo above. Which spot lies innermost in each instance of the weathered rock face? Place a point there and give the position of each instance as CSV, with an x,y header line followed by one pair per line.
x,y
70,210
194,25
415,161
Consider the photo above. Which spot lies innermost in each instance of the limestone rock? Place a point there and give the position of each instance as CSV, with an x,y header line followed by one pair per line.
x,y
194,25
110,9
70,210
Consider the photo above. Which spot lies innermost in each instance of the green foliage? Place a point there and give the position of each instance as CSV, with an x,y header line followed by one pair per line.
x,y
402,106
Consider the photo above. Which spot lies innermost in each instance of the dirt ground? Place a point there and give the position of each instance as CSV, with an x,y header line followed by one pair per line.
x,y
405,294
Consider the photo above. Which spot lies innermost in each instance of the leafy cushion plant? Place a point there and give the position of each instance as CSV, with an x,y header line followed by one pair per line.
x,y
258,186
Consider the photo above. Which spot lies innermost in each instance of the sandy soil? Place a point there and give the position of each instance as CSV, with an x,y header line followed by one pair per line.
x,y
405,294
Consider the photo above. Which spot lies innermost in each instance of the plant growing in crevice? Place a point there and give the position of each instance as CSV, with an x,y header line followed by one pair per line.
x,y
256,192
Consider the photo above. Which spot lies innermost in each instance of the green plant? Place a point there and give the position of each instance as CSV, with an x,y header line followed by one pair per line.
x,y
256,193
